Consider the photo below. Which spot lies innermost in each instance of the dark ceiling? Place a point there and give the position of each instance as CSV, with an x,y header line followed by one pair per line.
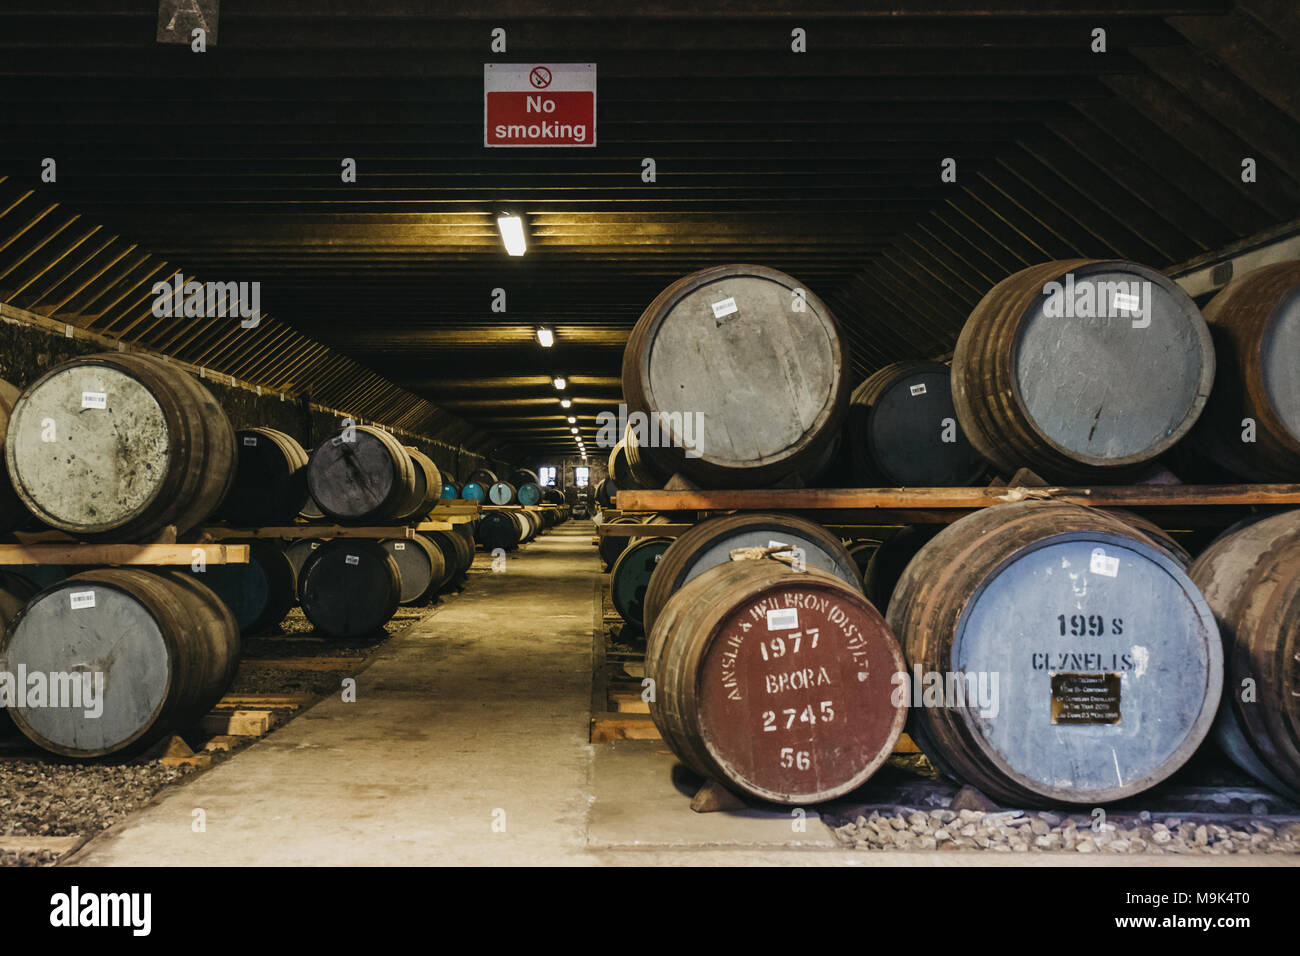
x,y
825,164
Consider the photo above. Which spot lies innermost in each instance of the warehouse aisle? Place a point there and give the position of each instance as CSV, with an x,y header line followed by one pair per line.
x,y
467,743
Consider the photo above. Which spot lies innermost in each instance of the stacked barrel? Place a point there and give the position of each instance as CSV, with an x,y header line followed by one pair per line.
x,y
117,447
1046,653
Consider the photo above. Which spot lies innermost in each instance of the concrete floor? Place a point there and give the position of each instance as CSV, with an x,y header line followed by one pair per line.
x,y
468,744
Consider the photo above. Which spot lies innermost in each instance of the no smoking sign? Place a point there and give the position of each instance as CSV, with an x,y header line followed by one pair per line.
x,y
539,104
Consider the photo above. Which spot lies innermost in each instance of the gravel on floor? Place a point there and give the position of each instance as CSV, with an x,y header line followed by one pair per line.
x,y
1017,831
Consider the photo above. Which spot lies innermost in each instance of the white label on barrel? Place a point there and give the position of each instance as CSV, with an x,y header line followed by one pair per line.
x,y
1104,564
94,400
352,559
399,546
250,441
918,389
81,599
1123,302
783,619
725,307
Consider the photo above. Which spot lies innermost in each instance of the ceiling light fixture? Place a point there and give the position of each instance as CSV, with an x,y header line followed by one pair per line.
x,y
545,337
572,420
559,382
565,403
512,234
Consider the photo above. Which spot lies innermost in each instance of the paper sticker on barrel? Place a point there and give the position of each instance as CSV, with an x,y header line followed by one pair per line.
x,y
539,104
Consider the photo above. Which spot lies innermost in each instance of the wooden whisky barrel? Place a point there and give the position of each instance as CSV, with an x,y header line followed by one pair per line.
x,y
502,493
529,494
483,476
777,683
754,359
886,564
606,493
1107,658
349,588
641,471
710,543
523,476
270,483
901,429
165,645
500,529
298,551
450,489
630,577
457,554
420,565
1251,579
135,445
12,511
1093,393
618,468
473,491
425,491
1255,321
259,593
361,474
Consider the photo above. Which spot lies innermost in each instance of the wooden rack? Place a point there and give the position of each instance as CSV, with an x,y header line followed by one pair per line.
x,y
856,507
76,553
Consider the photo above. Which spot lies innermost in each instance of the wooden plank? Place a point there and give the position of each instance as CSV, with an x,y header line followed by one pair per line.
x,y
305,663
295,532
238,723
608,727
264,701
54,844
146,554
850,499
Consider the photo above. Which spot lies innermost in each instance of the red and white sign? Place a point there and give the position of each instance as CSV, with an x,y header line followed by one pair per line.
x,y
539,104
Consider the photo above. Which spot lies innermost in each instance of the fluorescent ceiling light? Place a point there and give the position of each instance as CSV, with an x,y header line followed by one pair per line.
x,y
512,234
545,337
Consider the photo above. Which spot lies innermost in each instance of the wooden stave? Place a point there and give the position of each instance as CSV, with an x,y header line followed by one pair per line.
x,y
925,628
618,467
1238,319
870,470
641,471
1250,577
315,593
284,500
457,555
426,490
679,559
675,649
201,456
13,513
668,459
203,648
990,410
417,591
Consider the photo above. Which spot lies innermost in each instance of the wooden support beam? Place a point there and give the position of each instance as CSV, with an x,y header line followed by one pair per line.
x,y
84,553
963,499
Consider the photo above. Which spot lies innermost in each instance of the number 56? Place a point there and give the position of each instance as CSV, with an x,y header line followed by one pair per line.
x,y
800,760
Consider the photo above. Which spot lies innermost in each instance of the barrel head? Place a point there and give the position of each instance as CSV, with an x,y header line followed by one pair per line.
x,y
1100,664
798,696
78,628
88,448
